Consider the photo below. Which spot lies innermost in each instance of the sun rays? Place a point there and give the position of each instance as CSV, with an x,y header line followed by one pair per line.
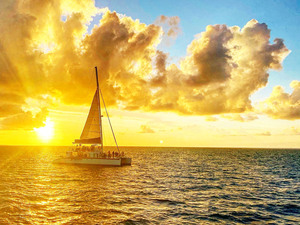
x,y
46,132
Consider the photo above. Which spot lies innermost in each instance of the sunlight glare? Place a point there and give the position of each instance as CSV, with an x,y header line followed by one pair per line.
x,y
46,132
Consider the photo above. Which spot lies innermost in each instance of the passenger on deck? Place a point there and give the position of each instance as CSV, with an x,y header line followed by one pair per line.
x,y
113,154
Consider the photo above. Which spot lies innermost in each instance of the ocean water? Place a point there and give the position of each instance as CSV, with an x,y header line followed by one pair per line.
x,y
163,186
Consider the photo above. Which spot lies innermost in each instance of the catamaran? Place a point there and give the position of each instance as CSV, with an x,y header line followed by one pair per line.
x,y
89,148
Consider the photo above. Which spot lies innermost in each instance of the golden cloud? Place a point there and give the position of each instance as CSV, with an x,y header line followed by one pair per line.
x,y
224,66
46,49
146,129
24,121
292,131
281,105
211,118
266,133
240,117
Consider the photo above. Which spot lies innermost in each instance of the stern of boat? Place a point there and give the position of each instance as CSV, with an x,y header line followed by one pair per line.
x,y
125,161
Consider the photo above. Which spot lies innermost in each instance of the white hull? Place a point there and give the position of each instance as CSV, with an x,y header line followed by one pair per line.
x,y
95,161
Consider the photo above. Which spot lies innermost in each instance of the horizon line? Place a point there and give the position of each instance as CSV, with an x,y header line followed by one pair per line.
x,y
133,146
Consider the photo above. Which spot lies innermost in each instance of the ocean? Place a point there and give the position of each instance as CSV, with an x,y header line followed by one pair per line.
x,y
163,186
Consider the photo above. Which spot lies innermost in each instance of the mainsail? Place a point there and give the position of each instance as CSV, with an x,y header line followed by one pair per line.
x,y
91,133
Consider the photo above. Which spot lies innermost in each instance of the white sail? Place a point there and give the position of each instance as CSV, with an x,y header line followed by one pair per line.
x,y
91,130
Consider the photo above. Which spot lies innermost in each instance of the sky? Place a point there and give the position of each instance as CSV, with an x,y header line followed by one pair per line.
x,y
184,73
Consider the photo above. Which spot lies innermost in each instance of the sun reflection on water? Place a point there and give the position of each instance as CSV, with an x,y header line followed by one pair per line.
x,y
162,186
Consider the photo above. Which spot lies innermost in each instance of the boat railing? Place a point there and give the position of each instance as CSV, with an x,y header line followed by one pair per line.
x,y
84,154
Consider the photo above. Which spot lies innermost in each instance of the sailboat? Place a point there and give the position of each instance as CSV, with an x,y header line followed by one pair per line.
x,y
88,148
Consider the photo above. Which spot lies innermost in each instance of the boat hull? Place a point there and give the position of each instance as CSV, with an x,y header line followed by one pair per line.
x,y
125,161
95,161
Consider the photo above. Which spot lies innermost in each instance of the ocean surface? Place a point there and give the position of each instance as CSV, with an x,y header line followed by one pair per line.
x,y
163,186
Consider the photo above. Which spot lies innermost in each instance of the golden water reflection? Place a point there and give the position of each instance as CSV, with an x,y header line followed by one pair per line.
x,y
162,186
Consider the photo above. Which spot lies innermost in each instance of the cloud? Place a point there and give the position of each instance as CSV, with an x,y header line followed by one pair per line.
x,y
281,105
24,120
209,57
223,68
211,118
146,129
32,113
170,26
160,64
9,109
293,131
266,133
51,56
32,38
240,117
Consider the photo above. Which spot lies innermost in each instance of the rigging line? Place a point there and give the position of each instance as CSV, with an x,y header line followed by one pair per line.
x,y
99,107
109,120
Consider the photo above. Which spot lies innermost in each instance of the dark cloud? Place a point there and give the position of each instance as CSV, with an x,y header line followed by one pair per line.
x,y
210,57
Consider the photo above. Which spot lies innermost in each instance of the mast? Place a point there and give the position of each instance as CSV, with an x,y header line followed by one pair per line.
x,y
99,108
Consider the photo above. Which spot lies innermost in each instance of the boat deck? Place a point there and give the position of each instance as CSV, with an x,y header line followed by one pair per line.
x,y
95,161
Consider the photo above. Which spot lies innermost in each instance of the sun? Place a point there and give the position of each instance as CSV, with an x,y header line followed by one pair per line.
x,y
46,132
